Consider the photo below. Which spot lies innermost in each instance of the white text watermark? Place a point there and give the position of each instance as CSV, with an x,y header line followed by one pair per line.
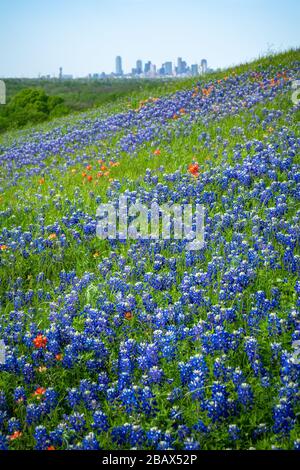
x,y
138,221
296,92
2,92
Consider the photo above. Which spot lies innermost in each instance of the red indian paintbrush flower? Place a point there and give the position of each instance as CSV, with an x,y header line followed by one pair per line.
x,y
39,392
40,341
193,168
15,435
128,315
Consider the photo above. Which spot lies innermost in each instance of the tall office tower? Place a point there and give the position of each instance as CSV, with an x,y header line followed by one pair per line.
x,y
194,69
139,67
179,65
168,68
60,73
203,66
152,70
147,66
119,70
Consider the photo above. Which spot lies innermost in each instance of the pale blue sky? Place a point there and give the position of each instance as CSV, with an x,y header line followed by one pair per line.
x,y
84,36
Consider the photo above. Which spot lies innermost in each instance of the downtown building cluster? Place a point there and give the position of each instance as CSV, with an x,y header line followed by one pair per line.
x,y
145,70
167,69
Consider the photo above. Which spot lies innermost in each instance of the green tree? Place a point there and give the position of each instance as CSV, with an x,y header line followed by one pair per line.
x,y
31,106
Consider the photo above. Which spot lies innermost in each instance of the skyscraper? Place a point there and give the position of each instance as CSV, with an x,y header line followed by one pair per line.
x,y
179,65
139,67
168,68
147,66
194,69
152,70
119,70
203,66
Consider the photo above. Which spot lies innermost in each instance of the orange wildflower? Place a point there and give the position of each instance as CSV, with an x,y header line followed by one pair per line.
x,y
15,435
41,180
3,247
89,178
59,357
193,168
40,341
50,448
40,391
128,315
89,167
157,152
52,236
207,91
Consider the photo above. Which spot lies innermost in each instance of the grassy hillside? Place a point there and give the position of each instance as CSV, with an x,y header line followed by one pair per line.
x,y
71,96
120,344
81,94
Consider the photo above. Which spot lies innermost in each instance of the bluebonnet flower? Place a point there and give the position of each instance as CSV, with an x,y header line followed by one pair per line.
x,y
76,421
90,442
34,413
120,434
3,442
261,429
20,395
245,394
283,416
234,432
41,438
100,421
191,444
13,425
58,434
297,444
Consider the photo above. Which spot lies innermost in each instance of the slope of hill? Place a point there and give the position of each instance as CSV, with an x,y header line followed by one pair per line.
x,y
32,101
120,344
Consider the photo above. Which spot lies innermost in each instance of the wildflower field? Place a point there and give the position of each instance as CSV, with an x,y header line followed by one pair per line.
x,y
141,344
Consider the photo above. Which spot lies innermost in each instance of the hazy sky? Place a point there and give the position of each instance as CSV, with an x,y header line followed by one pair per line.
x,y
84,36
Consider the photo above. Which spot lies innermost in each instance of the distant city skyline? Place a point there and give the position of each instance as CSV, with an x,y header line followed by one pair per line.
x,y
145,69
36,38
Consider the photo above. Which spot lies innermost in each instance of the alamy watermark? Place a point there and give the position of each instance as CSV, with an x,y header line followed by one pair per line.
x,y
2,352
296,92
141,222
2,92
296,353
